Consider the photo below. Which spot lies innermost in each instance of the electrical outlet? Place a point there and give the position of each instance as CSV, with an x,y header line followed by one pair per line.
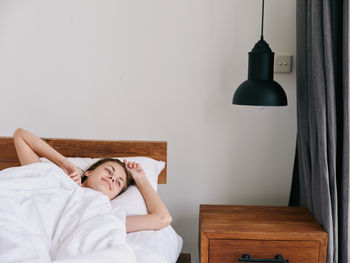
x,y
283,64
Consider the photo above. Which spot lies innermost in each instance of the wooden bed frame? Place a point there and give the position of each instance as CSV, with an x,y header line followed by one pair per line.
x,y
95,149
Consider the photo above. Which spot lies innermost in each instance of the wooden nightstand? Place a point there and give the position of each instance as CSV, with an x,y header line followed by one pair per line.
x,y
227,232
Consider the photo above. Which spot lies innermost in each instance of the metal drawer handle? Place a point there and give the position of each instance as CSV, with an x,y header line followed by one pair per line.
x,y
278,258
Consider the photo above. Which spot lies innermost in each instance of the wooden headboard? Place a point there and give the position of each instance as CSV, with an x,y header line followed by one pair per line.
x,y
93,149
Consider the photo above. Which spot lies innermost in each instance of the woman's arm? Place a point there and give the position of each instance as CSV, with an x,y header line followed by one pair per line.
x,y
30,147
158,215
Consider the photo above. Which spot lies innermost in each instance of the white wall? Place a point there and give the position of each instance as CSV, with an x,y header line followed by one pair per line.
x,y
156,70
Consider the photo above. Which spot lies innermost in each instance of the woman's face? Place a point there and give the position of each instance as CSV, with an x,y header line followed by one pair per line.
x,y
108,178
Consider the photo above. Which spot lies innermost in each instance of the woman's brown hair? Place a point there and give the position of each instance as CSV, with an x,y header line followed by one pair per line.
x,y
129,179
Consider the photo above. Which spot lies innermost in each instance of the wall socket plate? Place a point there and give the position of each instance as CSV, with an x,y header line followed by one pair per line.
x,y
283,64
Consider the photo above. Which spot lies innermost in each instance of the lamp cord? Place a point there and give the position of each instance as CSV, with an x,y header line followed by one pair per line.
x,y
262,21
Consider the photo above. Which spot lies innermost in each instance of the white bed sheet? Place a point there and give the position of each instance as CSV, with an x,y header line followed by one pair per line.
x,y
46,217
165,244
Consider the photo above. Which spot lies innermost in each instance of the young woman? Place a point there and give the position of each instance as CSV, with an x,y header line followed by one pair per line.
x,y
109,176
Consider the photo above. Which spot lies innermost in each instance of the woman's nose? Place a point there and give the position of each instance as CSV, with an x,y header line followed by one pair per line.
x,y
112,179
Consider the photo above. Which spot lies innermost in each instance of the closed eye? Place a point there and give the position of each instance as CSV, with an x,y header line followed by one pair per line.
x,y
110,172
120,181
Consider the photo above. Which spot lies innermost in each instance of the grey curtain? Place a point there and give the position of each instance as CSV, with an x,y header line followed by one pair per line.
x,y
321,168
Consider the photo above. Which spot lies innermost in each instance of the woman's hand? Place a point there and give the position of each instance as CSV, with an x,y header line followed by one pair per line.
x,y
75,176
72,171
135,170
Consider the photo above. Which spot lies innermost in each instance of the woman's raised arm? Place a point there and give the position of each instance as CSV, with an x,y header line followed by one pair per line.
x,y
29,148
158,215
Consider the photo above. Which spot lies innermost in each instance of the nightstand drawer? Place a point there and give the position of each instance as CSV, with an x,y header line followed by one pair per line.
x,y
295,251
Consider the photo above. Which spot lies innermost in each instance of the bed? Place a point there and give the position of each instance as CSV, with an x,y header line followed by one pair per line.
x,y
85,149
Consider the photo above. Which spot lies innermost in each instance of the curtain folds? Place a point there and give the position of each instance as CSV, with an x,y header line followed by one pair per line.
x,y
321,168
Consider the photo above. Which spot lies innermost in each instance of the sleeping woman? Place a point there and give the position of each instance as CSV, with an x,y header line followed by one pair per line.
x,y
109,176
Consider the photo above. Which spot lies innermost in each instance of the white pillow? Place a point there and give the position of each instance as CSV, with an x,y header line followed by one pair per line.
x,y
131,201
151,166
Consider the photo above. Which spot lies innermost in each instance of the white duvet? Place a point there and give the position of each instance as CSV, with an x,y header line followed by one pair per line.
x,y
46,217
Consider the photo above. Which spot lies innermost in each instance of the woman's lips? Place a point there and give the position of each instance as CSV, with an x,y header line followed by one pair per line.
x,y
109,185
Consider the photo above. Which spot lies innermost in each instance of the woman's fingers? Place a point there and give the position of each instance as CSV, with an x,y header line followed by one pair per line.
x,y
75,176
127,164
75,179
131,164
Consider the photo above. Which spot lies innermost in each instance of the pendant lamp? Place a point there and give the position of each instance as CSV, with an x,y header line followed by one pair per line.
x,y
260,89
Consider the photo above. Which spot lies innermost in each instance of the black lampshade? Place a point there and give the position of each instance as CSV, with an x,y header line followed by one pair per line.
x,y
260,93
260,89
